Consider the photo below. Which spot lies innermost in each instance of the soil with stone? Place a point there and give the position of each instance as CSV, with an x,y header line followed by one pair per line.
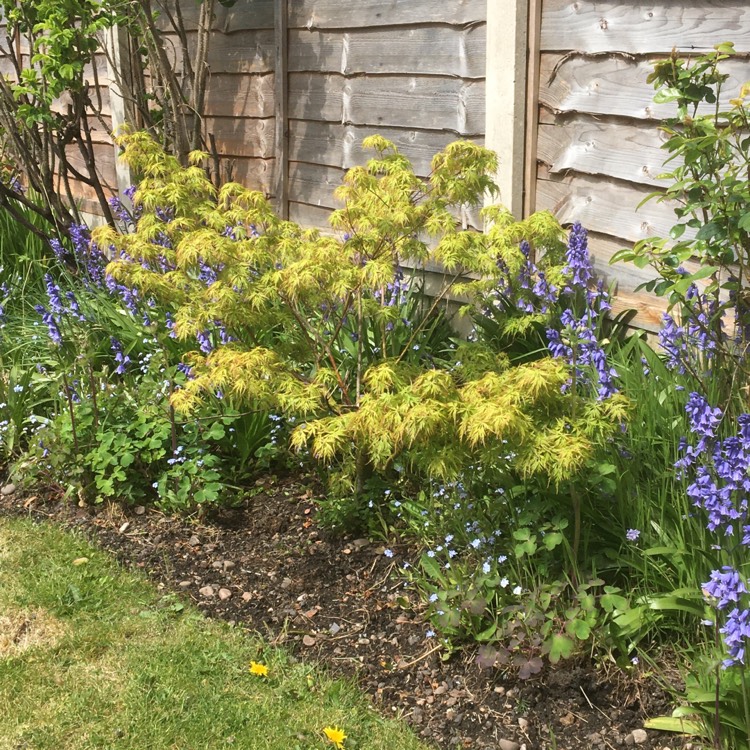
x,y
269,567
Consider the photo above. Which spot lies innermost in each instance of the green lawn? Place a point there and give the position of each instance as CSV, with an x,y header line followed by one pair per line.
x,y
94,657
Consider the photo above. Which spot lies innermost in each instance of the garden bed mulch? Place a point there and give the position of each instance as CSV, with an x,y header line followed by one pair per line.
x,y
337,601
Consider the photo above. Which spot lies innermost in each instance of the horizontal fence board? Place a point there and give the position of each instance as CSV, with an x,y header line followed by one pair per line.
x,y
249,51
340,146
255,174
604,206
242,52
240,95
310,216
334,14
604,147
644,27
243,136
244,14
398,101
426,50
614,85
314,184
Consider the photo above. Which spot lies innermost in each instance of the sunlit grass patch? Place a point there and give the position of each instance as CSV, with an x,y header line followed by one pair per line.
x,y
121,667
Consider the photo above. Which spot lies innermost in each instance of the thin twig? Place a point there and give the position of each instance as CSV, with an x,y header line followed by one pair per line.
x,y
419,658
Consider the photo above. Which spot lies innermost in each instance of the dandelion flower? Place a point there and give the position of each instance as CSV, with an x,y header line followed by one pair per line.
x,y
261,670
336,736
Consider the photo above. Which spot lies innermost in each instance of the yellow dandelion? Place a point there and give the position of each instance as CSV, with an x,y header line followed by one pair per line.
x,y
258,669
336,736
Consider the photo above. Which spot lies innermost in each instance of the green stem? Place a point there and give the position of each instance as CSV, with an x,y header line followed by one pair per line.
x,y
745,702
69,399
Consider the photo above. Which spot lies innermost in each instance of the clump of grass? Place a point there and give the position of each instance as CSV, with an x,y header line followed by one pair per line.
x,y
118,666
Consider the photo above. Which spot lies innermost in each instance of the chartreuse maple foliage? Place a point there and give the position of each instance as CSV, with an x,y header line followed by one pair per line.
x,y
313,331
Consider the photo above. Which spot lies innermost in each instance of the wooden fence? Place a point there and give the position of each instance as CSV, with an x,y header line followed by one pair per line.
x,y
598,142
558,87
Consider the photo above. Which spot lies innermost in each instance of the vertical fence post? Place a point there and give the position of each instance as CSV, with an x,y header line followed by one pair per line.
x,y
281,79
118,69
507,35
532,106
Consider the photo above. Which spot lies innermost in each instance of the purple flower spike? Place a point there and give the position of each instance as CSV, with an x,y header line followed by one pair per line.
x,y
578,259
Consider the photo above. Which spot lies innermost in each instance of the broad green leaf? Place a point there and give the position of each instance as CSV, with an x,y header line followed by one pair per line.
x,y
673,724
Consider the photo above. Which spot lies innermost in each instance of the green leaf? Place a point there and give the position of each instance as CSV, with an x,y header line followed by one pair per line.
x,y
561,647
668,94
677,231
674,724
709,231
552,540
432,568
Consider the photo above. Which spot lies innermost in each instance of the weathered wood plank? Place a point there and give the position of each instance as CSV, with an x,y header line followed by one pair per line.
x,y
604,147
241,52
643,28
338,145
240,95
245,14
256,174
505,122
314,184
604,206
614,85
243,136
310,216
281,114
334,14
430,50
397,101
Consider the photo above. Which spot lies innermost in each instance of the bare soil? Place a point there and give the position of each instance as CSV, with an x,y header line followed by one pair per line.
x,y
340,602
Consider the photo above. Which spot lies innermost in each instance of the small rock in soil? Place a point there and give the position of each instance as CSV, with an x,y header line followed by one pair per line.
x,y
8,489
194,541
246,596
508,745
124,527
225,594
334,628
640,736
140,510
308,640
228,565
523,724
185,584
207,591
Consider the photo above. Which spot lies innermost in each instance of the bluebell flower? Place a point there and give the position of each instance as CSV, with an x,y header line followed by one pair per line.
x,y
49,320
122,359
736,631
578,261
725,586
